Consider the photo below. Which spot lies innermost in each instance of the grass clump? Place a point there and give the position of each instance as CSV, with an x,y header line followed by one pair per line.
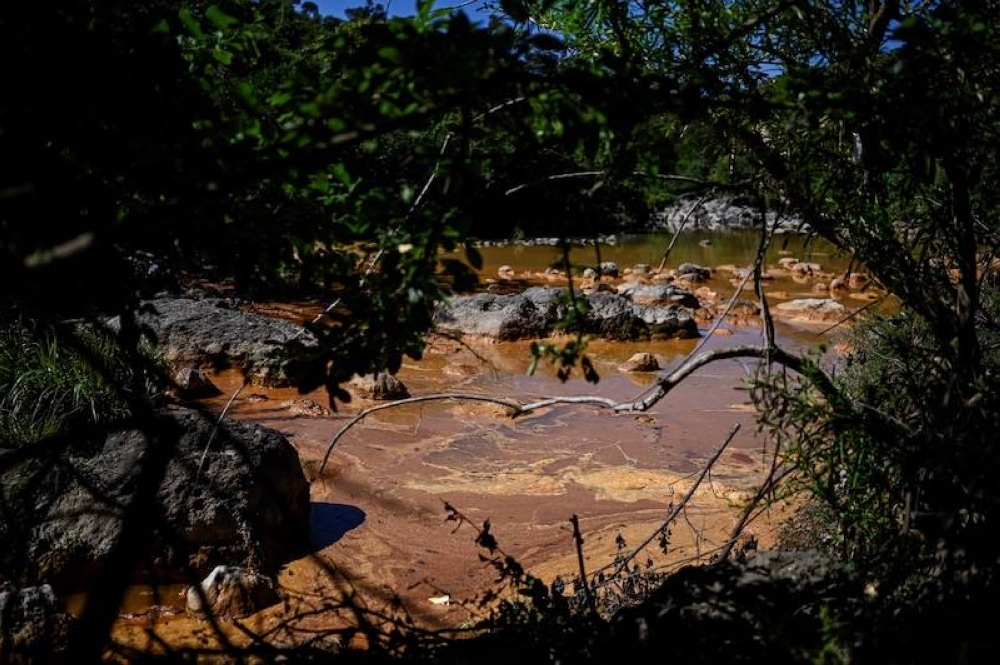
x,y
56,377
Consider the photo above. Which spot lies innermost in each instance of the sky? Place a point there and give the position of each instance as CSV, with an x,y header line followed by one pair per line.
x,y
401,7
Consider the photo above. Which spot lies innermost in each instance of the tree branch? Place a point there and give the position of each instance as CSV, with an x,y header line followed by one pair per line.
x,y
676,510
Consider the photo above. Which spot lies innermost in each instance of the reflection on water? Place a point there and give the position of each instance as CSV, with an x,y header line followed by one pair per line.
x,y
704,248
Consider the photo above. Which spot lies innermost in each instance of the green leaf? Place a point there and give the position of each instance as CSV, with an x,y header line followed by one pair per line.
x,y
225,57
390,53
190,22
219,18
279,99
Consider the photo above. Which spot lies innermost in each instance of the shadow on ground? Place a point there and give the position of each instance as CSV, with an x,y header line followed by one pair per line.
x,y
330,521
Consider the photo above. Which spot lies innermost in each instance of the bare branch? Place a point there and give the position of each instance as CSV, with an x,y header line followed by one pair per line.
x,y
619,566
680,227
663,386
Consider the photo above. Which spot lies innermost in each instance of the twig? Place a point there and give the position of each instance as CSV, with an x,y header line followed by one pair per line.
x,y
218,423
578,541
680,227
620,565
663,386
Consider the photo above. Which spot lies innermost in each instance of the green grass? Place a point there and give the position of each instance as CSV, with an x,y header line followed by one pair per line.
x,y
52,379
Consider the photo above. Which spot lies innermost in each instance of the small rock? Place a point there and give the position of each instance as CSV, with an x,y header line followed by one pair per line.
x,y
640,362
608,268
858,280
192,383
692,272
707,242
823,310
505,272
787,262
231,592
306,407
640,269
589,273
381,386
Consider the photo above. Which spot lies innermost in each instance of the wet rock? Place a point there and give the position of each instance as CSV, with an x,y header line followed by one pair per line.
x,y
787,262
589,273
640,362
241,499
305,407
533,313
193,383
692,272
858,280
505,272
231,592
549,301
33,628
381,386
502,317
613,317
659,294
608,269
819,310
667,322
803,269
210,333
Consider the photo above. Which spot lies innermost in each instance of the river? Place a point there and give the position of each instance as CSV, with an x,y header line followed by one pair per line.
x,y
379,516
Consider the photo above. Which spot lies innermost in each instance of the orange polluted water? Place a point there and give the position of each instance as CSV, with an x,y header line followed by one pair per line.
x,y
379,529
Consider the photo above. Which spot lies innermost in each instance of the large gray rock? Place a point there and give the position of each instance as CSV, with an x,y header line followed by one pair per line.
x,y
534,313
614,317
500,317
659,294
549,301
177,503
667,322
210,333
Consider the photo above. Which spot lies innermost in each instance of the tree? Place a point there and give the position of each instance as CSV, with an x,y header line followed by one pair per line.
x,y
282,147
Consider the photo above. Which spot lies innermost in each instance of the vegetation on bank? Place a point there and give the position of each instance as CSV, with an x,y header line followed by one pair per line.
x,y
260,141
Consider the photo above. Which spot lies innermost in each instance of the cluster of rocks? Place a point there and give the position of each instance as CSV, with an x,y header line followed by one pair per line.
x,y
721,214
610,239
660,312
